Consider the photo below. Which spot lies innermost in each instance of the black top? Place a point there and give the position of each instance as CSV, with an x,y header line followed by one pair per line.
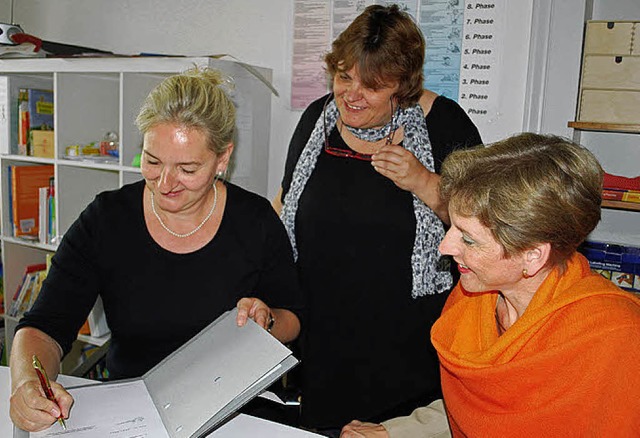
x,y
366,352
156,300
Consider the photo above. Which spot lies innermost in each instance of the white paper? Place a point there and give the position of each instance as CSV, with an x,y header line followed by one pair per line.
x,y
238,427
125,411
247,426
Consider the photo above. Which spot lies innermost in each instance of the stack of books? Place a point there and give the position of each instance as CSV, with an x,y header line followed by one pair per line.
x,y
620,188
610,194
32,202
28,289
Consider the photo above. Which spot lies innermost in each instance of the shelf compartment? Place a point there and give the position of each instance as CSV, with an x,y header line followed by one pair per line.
x,y
87,107
9,105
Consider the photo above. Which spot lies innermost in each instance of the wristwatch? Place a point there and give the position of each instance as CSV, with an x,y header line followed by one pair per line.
x,y
271,322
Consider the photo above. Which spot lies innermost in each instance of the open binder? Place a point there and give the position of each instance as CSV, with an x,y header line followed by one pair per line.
x,y
186,395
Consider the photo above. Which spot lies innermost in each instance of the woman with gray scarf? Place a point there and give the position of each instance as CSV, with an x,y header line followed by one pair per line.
x,y
361,206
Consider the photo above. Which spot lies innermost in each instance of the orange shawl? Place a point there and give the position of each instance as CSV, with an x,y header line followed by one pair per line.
x,y
570,366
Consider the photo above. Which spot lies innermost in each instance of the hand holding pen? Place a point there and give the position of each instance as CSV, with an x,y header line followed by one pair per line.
x,y
46,387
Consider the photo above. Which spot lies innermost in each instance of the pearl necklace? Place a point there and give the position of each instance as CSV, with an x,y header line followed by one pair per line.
x,y
204,221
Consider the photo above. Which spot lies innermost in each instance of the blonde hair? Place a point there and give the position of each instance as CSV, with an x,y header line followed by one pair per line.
x,y
527,189
193,99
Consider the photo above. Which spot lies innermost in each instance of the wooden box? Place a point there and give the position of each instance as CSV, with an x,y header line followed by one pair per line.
x,y
610,37
610,106
611,72
610,83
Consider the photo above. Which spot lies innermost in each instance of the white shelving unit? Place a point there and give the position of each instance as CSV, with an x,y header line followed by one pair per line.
x,y
94,96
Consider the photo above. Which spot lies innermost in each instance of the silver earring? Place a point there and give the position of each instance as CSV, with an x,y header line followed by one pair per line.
x,y
221,174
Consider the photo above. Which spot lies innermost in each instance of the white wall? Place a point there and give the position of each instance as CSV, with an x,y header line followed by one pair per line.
x,y
5,11
554,65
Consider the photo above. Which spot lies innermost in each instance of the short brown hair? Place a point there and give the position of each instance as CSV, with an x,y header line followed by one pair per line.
x,y
193,99
385,45
527,189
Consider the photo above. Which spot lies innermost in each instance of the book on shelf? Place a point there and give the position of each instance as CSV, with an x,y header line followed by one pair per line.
x,y
23,121
51,218
28,289
619,182
40,129
46,215
43,214
35,129
9,110
24,198
621,195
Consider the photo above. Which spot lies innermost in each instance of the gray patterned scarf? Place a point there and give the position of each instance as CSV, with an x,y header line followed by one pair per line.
x,y
430,275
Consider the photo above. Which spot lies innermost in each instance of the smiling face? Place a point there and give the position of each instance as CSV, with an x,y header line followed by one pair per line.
x,y
178,166
480,257
359,106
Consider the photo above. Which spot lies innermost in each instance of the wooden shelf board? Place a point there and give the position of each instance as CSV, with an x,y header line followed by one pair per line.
x,y
621,205
595,126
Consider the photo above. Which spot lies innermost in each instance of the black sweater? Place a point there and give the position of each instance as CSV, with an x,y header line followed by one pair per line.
x,y
156,300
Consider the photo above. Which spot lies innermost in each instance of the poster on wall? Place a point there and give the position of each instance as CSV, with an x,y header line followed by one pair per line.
x,y
462,60
311,38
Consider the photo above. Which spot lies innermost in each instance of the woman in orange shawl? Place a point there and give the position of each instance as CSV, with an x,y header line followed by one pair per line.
x,y
531,342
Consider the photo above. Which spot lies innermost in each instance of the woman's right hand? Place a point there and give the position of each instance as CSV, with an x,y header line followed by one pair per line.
x,y
30,409
358,429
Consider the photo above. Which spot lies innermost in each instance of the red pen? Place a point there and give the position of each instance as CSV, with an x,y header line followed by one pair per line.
x,y
46,386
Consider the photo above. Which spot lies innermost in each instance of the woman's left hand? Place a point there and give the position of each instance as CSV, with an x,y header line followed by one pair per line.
x,y
255,309
401,167
358,429
408,173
